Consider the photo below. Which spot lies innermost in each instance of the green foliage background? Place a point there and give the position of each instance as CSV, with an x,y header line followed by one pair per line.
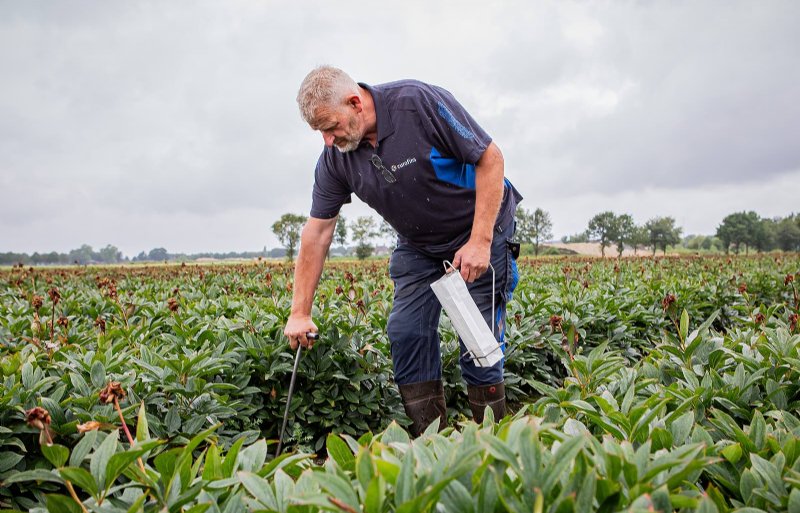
x,y
690,402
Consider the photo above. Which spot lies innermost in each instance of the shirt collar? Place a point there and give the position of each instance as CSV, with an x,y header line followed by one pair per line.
x,y
383,119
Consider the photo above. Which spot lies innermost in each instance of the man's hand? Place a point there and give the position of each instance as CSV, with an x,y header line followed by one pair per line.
x,y
473,259
296,328
314,243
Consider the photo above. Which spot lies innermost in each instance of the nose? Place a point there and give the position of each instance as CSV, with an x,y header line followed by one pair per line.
x,y
328,138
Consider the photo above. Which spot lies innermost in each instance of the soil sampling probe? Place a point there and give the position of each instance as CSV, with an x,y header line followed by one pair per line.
x,y
309,336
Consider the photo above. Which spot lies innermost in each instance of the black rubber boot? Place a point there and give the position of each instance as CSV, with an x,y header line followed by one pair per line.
x,y
493,396
424,402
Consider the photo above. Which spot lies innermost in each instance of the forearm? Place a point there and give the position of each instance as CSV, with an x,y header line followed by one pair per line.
x,y
489,184
308,269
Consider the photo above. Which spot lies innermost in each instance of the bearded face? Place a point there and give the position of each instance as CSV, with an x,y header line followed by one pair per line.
x,y
352,136
340,128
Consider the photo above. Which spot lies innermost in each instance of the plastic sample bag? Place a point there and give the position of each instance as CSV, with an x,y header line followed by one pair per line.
x,y
451,290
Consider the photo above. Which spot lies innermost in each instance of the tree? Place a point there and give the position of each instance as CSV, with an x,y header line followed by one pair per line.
x,y
740,228
525,230
82,255
387,232
364,230
663,233
787,233
640,238
702,242
287,229
764,234
110,254
533,227
623,232
576,237
157,254
603,228
543,228
340,232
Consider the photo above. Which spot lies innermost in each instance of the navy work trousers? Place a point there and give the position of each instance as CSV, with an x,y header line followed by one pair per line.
x,y
414,320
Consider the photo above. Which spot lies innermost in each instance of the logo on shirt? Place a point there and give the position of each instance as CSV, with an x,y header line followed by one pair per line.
x,y
409,161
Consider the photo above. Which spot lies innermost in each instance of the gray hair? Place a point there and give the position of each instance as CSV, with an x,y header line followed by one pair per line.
x,y
324,86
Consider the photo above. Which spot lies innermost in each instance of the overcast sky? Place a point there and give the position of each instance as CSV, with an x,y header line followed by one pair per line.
x,y
173,124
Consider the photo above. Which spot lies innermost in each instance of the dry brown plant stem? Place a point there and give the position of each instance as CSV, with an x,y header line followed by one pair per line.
x,y
75,496
127,432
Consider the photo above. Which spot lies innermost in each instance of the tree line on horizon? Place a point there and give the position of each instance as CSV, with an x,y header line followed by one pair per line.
x,y
112,255
738,232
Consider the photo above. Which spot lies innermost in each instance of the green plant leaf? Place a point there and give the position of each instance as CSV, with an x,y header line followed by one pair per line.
x,y
82,448
456,498
758,429
794,501
718,498
388,470
732,453
661,499
27,376
339,488
284,489
684,325
142,430
99,460
376,496
38,474
769,474
252,458
394,434
200,508
706,504
365,468
682,427
57,503
486,500
564,456
9,460
213,464
137,506
585,498
121,460
230,463
56,454
339,451
98,374
80,477
404,486
259,488
747,484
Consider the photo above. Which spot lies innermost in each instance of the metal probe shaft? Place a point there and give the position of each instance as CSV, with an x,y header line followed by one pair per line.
x,y
310,336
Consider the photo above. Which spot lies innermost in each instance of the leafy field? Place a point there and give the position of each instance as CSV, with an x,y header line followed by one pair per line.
x,y
639,385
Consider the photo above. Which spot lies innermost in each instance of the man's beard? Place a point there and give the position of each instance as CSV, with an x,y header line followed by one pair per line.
x,y
353,138
349,145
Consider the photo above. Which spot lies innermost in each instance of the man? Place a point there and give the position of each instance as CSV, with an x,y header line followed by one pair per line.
x,y
411,152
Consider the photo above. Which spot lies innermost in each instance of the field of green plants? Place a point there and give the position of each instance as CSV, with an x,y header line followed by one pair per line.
x,y
649,384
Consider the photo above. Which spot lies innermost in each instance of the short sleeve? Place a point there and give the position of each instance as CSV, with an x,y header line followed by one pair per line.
x,y
330,191
449,124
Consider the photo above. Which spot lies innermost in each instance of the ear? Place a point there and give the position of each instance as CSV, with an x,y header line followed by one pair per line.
x,y
354,101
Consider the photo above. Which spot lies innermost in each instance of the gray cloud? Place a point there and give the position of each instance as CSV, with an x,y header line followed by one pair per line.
x,y
180,116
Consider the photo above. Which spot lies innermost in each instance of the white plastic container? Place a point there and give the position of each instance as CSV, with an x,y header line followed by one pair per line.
x,y
451,290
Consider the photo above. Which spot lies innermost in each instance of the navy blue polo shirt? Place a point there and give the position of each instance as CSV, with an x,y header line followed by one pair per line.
x,y
431,144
